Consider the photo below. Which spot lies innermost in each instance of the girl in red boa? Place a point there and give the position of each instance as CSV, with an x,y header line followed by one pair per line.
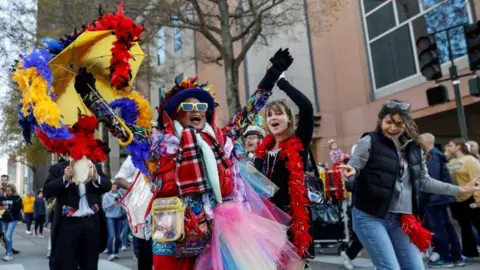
x,y
389,170
282,158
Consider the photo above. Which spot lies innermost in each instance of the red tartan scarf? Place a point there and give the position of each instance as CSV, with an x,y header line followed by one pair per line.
x,y
191,170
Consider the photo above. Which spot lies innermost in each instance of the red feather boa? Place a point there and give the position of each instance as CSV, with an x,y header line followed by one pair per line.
x,y
418,235
297,189
82,143
126,32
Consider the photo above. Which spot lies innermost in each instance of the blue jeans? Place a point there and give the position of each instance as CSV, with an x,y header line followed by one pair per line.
x,y
125,232
388,246
445,238
28,220
114,231
8,228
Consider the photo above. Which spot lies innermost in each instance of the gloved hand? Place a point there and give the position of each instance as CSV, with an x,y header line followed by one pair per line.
x,y
281,60
84,82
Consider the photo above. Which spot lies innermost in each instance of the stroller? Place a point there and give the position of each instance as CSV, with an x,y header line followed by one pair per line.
x,y
331,221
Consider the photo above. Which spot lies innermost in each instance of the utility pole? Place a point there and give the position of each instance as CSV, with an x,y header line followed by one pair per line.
x,y
456,88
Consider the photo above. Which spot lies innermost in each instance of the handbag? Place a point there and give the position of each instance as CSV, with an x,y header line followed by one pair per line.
x,y
168,219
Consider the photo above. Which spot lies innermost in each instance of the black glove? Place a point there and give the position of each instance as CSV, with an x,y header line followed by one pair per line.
x,y
84,82
282,60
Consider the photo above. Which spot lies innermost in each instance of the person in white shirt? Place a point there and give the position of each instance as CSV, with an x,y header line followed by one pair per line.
x,y
142,248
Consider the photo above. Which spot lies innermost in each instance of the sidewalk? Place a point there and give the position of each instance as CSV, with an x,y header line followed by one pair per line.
x,y
33,254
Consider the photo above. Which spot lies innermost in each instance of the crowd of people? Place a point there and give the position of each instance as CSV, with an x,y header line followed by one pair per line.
x,y
198,196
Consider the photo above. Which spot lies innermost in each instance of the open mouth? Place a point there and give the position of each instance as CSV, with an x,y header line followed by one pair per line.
x,y
195,119
275,124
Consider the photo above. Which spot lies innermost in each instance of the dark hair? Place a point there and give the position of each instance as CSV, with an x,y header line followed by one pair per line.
x,y
463,145
40,191
410,127
4,175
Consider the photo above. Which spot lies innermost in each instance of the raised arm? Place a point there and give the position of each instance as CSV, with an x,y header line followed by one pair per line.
x,y
305,116
257,101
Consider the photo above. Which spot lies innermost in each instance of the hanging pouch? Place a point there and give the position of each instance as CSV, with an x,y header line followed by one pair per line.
x,y
168,219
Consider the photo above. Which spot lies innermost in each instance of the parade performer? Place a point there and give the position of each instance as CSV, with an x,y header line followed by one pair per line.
x,y
66,87
389,170
283,157
224,221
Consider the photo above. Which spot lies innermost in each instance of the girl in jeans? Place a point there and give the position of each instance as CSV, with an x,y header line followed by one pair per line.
x,y
12,204
389,168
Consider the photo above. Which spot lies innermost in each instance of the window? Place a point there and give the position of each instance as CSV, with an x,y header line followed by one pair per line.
x,y
177,36
392,27
161,46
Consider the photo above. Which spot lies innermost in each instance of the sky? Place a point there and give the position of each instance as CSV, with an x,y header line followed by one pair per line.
x,y
6,10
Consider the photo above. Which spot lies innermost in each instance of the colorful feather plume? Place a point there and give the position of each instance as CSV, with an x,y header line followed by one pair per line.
x,y
128,109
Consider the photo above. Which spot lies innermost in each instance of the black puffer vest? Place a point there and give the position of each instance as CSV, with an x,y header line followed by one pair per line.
x,y
375,185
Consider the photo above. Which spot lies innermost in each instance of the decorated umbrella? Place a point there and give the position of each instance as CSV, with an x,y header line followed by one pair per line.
x,y
91,50
69,83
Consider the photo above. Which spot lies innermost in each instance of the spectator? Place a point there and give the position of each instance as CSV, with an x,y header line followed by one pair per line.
x,y
463,168
474,149
12,204
3,184
434,207
28,210
115,220
39,213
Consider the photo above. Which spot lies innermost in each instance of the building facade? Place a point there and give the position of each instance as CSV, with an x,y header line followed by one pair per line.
x,y
366,57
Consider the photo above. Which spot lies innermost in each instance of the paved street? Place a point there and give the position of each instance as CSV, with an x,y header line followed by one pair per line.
x,y
33,257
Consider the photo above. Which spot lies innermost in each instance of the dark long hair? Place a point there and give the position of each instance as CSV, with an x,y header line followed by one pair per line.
x,y
411,128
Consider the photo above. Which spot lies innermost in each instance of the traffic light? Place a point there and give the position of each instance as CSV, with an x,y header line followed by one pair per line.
x,y
474,86
428,58
437,95
472,38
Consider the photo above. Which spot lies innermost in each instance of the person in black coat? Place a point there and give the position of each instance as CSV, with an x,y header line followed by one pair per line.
x,y
79,227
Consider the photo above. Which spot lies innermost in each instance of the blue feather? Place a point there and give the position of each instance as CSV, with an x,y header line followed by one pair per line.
x,y
128,109
61,133
140,153
27,124
52,45
38,59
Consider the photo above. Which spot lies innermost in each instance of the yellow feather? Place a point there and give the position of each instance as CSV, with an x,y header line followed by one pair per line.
x,y
35,95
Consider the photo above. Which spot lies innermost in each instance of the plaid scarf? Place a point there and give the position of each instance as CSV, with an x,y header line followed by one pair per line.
x,y
192,174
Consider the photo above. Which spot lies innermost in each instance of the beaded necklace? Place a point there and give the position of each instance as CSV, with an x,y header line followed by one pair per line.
x,y
269,168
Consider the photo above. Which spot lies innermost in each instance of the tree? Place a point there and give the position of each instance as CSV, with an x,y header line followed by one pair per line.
x,y
231,27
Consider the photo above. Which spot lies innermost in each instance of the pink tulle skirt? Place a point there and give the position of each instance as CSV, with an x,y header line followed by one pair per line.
x,y
243,240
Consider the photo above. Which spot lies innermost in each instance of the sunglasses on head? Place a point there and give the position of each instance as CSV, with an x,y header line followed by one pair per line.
x,y
394,104
190,106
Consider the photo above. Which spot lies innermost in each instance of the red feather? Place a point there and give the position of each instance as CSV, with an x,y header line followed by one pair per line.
x,y
126,32
418,235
